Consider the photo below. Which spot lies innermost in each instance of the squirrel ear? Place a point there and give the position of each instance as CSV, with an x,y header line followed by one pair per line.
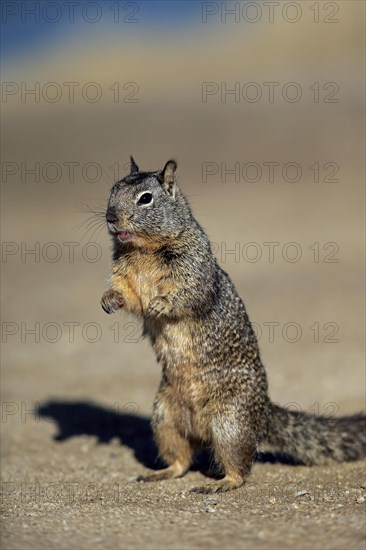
x,y
133,166
167,177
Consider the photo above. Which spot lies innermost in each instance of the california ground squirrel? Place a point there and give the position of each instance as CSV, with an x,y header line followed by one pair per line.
x,y
213,392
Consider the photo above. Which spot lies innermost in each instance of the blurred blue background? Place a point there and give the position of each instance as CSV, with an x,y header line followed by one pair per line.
x,y
28,26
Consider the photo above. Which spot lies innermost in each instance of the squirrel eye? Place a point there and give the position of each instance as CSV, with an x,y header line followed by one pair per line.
x,y
145,198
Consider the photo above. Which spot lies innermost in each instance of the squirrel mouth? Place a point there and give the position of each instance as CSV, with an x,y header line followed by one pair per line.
x,y
124,236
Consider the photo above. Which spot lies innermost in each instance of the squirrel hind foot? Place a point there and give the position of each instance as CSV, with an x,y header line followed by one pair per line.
x,y
158,475
173,471
226,484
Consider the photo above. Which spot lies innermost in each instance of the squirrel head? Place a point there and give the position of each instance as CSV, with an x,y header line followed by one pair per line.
x,y
147,208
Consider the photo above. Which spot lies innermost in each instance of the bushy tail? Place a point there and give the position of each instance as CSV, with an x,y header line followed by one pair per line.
x,y
311,439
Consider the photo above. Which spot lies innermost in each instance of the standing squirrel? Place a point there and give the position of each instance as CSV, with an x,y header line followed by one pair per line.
x,y
213,392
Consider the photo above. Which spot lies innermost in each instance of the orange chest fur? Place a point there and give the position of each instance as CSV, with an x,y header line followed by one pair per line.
x,y
140,278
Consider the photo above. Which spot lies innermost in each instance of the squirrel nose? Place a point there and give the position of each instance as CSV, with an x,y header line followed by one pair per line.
x,y
111,215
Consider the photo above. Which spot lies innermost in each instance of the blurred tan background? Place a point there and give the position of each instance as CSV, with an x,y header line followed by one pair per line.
x,y
168,61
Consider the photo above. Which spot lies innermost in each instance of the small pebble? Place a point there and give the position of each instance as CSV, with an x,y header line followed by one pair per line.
x,y
302,493
360,500
210,501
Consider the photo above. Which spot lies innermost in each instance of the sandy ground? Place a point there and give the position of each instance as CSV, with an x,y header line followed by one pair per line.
x,y
76,412
77,392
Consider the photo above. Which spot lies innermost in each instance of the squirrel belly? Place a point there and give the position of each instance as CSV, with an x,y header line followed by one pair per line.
x,y
213,390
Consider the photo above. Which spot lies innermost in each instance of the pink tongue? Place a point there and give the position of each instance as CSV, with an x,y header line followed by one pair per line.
x,y
123,235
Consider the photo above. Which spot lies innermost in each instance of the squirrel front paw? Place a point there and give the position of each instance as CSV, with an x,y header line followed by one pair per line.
x,y
112,301
157,307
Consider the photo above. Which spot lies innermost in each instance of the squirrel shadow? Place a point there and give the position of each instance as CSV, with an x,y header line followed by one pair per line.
x,y
77,418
